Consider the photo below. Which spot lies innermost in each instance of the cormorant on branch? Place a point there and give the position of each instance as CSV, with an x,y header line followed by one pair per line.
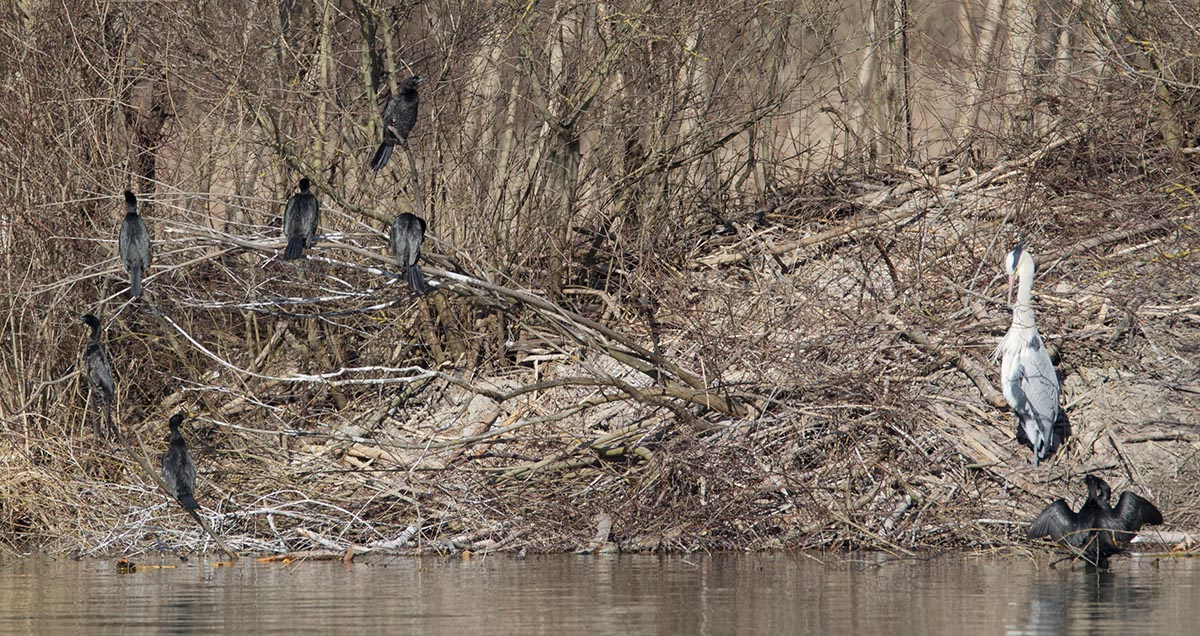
x,y
99,371
399,117
300,220
178,470
134,245
408,232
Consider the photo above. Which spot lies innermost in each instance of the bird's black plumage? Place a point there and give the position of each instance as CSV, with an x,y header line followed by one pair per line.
x,y
408,232
1098,530
178,470
300,220
99,370
133,244
399,117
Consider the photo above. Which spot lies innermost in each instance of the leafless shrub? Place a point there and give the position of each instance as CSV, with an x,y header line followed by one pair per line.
x,y
725,273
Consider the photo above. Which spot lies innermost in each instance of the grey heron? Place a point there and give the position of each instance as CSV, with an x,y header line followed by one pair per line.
x,y
1027,375
408,232
178,470
399,117
99,370
1098,530
300,219
133,243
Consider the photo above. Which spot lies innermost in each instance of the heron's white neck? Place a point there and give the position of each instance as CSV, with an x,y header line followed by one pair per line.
x,y
1023,311
1024,273
1024,325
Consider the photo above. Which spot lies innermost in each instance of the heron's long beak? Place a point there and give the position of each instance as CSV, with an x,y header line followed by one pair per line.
x,y
1012,281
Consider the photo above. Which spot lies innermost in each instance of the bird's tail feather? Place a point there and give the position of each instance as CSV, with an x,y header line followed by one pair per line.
x,y
416,280
111,430
1042,442
188,501
135,280
382,155
295,248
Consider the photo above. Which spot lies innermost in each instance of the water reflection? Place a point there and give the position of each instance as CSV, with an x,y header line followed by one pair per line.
x,y
717,594
1084,599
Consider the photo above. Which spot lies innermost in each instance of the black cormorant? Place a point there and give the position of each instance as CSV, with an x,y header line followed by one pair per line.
x,y
1097,530
399,117
408,232
134,245
99,371
300,220
178,470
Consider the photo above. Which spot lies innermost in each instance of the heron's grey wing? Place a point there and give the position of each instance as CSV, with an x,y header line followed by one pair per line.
x,y
1039,382
1038,387
1056,521
1132,512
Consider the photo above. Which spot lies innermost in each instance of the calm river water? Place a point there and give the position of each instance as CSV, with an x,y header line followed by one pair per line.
x,y
567,594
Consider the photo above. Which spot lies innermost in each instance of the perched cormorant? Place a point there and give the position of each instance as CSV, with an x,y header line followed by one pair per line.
x,y
99,371
178,470
408,232
134,245
300,220
1097,530
1027,375
399,117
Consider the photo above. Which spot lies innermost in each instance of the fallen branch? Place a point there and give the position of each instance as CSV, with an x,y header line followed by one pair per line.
x,y
962,361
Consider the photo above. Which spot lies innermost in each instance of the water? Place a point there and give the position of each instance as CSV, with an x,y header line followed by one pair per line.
x,y
568,594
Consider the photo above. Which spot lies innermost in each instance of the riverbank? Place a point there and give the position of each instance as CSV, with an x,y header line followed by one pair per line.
x,y
816,378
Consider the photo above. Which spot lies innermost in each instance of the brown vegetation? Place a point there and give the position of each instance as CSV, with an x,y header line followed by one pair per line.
x,y
708,277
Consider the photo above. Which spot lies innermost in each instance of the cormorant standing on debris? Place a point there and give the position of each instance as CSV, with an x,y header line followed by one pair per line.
x,y
134,245
399,117
178,470
1097,530
300,220
99,371
408,232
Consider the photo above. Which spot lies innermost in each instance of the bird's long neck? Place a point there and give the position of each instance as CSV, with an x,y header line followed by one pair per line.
x,y
1097,497
1023,318
1024,286
95,334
